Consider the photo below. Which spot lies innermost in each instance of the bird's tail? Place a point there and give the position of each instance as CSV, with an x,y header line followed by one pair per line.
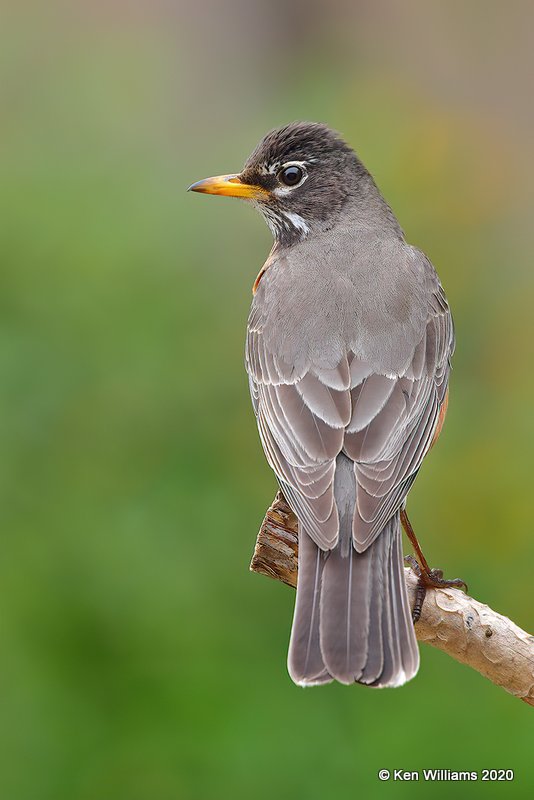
x,y
352,619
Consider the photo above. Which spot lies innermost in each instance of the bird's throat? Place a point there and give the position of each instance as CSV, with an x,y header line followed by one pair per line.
x,y
287,227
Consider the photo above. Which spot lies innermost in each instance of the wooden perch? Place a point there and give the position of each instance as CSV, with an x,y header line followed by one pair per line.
x,y
467,630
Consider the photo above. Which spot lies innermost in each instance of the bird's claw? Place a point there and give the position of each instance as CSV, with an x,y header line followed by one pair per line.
x,y
432,579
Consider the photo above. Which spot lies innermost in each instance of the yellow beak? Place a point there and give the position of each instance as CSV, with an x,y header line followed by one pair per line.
x,y
228,185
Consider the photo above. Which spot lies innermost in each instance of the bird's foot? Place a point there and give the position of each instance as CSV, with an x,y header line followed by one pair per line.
x,y
431,579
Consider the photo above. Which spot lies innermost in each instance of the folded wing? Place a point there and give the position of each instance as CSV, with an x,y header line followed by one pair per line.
x,y
384,423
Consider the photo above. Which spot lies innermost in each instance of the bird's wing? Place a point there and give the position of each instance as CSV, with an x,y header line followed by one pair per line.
x,y
301,420
385,424
394,422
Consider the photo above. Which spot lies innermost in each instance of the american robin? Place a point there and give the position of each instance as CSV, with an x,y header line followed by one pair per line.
x,y
348,350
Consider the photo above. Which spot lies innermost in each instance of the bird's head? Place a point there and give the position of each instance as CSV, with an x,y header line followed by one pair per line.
x,y
299,177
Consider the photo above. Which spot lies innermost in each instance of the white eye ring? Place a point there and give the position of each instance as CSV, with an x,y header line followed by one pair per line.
x,y
298,168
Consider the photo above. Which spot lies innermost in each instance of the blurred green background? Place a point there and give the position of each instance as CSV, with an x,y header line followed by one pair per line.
x,y
140,660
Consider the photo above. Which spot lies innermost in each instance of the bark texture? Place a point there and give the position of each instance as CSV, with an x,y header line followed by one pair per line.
x,y
452,621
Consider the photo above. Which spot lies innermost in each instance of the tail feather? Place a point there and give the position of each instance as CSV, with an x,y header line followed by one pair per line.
x,y
366,631
305,660
345,618
377,652
352,619
409,648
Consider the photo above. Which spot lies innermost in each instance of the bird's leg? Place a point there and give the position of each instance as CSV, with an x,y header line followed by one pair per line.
x,y
427,577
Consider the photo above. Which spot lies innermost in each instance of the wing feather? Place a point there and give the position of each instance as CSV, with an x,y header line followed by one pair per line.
x,y
384,423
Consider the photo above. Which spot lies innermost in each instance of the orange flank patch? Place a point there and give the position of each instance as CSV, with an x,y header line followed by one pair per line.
x,y
261,273
263,270
441,419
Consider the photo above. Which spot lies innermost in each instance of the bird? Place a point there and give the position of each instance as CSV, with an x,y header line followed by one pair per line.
x,y
348,353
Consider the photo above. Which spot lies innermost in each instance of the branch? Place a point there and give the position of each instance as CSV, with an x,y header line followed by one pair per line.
x,y
467,630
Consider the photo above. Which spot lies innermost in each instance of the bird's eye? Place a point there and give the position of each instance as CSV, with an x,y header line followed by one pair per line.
x,y
291,176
